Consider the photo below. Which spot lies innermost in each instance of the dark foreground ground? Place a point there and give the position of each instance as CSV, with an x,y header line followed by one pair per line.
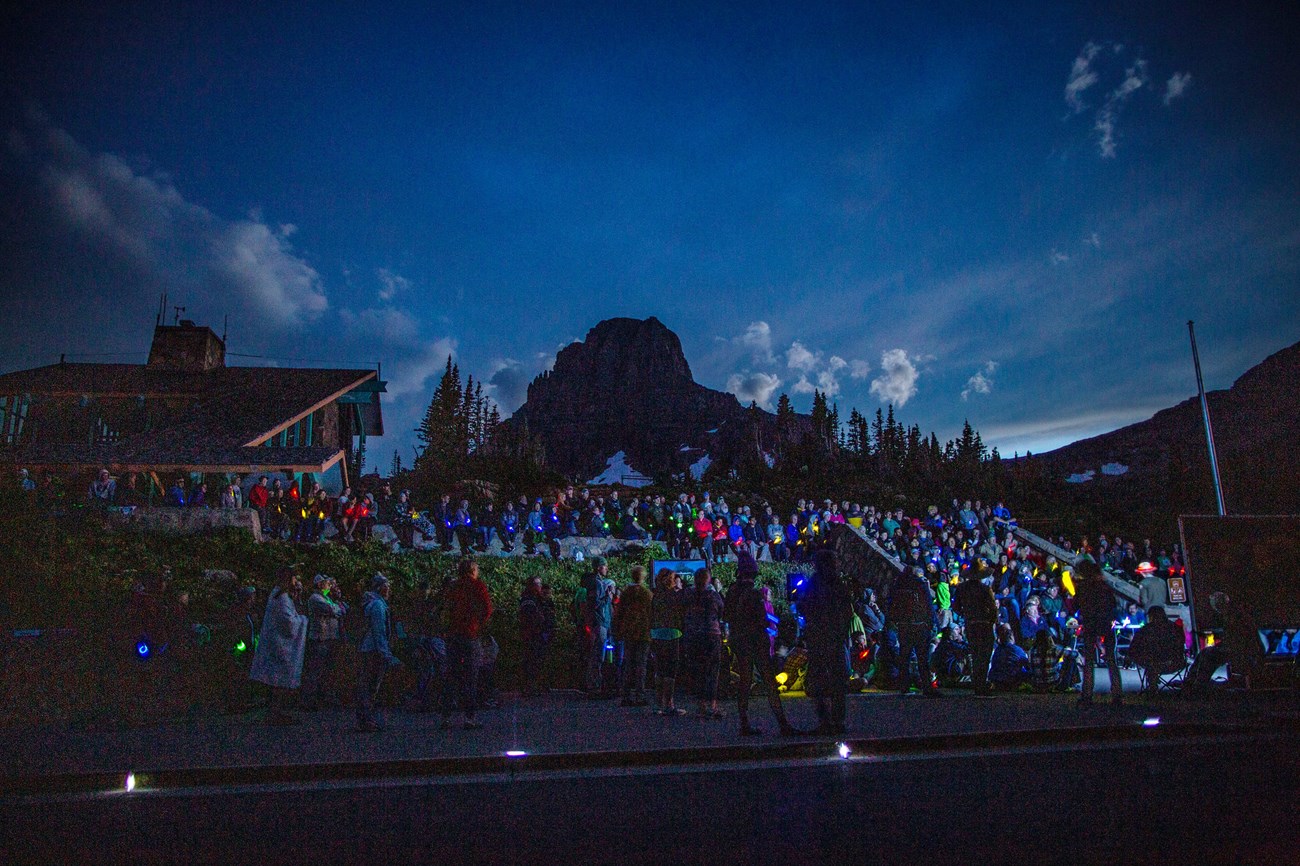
x,y
1017,779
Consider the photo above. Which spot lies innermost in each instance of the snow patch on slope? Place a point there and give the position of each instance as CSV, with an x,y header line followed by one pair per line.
x,y
616,468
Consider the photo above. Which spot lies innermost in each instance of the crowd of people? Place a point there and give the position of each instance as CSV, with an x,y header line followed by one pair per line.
x,y
972,604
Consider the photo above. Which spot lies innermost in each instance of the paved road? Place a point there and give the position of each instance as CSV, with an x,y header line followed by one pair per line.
x,y
1140,795
1037,778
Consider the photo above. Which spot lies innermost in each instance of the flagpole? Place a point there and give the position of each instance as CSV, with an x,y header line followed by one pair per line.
x,y
1205,414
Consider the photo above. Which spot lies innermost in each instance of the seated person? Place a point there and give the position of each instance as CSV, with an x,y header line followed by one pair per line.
x,y
1052,607
1157,648
1045,662
1010,666
1032,621
952,658
1135,617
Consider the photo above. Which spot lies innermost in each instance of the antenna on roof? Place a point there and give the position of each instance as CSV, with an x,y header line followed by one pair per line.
x,y
176,320
225,327
162,310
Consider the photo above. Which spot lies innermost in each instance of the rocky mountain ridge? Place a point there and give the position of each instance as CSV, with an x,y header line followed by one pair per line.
x,y
1165,459
628,387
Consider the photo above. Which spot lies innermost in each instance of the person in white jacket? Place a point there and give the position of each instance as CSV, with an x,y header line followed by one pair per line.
x,y
280,649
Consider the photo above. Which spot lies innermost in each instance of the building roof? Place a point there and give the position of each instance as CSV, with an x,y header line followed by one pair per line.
x,y
219,416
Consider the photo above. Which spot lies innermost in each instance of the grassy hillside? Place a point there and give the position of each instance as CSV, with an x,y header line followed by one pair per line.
x,y
73,579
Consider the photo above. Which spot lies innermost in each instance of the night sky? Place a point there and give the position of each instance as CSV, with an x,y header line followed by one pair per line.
x,y
1006,216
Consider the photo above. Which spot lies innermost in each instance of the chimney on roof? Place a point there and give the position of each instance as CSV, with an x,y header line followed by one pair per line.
x,y
188,347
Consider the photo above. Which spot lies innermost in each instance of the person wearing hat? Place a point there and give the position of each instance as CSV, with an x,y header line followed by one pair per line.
x,y
324,629
281,646
746,613
1152,591
376,653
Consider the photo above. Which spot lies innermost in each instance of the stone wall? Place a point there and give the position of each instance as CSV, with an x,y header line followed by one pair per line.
x,y
186,521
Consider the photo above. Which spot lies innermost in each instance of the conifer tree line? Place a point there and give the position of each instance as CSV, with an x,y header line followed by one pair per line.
x,y
460,421
867,452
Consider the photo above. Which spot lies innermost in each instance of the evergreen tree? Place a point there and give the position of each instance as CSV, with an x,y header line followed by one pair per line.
x,y
396,469
785,418
820,415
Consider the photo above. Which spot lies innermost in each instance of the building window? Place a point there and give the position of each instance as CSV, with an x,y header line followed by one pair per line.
x,y
13,414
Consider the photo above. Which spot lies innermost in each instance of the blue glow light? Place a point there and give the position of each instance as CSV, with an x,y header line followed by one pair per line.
x,y
143,649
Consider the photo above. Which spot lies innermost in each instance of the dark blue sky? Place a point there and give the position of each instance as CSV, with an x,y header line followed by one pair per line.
x,y
1006,215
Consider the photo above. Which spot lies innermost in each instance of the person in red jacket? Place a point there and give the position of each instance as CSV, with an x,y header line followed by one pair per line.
x,y
469,606
259,496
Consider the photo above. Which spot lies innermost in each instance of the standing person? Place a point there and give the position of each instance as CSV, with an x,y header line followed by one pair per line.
x,y
911,612
1152,592
632,627
536,626
259,497
469,606
828,611
598,610
281,646
277,508
324,629
376,653
974,602
1096,616
747,617
666,607
702,641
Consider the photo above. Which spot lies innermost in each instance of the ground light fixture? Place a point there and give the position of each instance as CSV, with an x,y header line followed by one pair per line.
x,y
1150,721
128,784
843,750
516,753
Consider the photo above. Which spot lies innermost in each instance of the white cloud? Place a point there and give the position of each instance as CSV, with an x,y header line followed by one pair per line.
x,y
828,383
758,340
798,357
1177,85
836,363
385,325
1088,71
1082,77
1135,77
981,382
1093,240
171,241
755,387
391,283
897,382
1058,257
803,386
859,369
413,373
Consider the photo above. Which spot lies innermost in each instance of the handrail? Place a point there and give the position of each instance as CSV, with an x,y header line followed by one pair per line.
x,y
874,545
